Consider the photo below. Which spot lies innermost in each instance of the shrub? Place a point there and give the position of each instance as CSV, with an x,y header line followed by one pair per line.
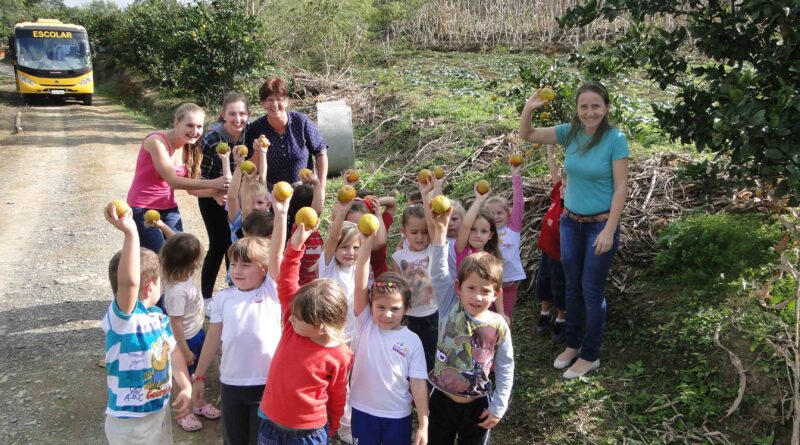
x,y
704,249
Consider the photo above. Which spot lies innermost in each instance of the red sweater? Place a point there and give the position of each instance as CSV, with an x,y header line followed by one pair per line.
x,y
307,383
377,258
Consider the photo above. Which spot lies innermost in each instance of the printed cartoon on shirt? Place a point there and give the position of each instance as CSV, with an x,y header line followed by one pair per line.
x,y
158,381
464,359
416,274
503,243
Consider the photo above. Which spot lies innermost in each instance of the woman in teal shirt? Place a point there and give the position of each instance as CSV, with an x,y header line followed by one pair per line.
x,y
596,166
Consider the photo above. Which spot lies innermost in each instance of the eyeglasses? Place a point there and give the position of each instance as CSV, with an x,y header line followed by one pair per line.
x,y
384,286
275,99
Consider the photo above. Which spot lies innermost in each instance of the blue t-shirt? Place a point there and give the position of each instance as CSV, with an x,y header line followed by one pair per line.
x,y
138,365
590,179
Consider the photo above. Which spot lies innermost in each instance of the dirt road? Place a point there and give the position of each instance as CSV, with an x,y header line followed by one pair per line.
x,y
55,178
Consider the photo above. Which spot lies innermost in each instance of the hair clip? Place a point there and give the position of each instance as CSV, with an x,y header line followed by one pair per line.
x,y
385,286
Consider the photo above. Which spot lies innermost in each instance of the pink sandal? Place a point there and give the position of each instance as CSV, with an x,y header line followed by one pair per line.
x,y
190,423
208,411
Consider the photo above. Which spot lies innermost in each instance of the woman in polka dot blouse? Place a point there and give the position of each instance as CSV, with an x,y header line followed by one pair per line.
x,y
295,142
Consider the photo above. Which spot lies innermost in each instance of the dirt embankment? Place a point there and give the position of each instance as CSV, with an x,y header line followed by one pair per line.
x,y
55,178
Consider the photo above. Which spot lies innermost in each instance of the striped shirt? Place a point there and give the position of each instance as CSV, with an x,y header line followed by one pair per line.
x,y
138,367
211,166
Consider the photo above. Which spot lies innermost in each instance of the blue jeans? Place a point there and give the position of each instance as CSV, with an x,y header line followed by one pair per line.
x,y
150,237
270,433
373,430
585,275
550,282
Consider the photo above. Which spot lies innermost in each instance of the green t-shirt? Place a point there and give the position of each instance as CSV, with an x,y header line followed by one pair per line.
x,y
590,179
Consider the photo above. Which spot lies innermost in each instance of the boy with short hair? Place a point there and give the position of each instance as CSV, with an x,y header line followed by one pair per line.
x,y
140,349
465,403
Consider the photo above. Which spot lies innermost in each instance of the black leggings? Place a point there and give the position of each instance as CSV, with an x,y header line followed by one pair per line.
x,y
240,421
450,420
215,219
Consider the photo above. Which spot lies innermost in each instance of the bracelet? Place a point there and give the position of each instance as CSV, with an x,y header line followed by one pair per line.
x,y
198,378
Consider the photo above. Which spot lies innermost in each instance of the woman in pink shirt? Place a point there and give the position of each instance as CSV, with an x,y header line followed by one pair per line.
x,y
158,174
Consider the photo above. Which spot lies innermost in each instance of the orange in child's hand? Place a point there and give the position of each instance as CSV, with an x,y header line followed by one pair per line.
x,y
263,141
282,191
368,224
440,205
424,176
151,216
121,207
223,148
247,167
305,173
547,93
346,194
515,159
352,175
241,150
482,186
307,216
438,172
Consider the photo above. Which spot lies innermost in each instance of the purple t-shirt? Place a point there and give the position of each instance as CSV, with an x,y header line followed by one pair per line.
x,y
291,151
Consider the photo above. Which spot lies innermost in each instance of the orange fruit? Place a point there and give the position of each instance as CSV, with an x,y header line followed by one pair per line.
x,y
438,172
247,167
223,148
547,93
352,175
241,150
305,173
483,186
121,207
263,141
282,191
515,159
440,205
346,194
368,224
151,216
306,216
424,176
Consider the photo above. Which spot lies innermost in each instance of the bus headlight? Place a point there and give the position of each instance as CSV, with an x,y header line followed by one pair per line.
x,y
26,79
87,80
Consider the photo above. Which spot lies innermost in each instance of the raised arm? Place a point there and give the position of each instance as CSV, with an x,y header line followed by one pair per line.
x,y
277,245
552,164
381,236
546,135
234,206
163,227
129,263
427,192
362,274
339,213
469,219
262,163
166,169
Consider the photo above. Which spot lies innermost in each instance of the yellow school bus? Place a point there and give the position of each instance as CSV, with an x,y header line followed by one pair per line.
x,y
52,59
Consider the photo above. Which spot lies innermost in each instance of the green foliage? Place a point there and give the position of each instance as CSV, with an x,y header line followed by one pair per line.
x,y
743,103
704,249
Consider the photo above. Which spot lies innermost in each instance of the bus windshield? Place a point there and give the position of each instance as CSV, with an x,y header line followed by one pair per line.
x,y
66,51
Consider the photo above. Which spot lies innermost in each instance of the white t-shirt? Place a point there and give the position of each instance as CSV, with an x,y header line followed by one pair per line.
x,y
346,277
416,268
509,241
384,361
251,329
183,299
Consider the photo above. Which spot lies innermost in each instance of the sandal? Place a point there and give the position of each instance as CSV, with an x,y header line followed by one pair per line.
x,y
208,411
190,423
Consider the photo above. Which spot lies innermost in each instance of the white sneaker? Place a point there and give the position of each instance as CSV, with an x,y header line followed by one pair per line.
x,y
569,374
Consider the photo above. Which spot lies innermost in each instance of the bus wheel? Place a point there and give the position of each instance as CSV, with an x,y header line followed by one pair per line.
x,y
87,99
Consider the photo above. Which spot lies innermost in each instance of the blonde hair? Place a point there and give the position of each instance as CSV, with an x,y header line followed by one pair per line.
x,y
322,303
349,233
192,153
250,249
498,200
458,208
180,256
251,187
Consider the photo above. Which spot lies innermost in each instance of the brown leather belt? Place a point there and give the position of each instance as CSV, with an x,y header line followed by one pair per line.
x,y
600,217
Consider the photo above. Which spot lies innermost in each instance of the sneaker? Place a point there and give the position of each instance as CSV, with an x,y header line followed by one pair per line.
x,y
544,323
559,332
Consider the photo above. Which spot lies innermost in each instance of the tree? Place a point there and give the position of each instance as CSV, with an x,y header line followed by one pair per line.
x,y
737,69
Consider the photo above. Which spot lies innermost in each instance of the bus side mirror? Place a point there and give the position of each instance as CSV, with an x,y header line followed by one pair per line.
x,y
12,46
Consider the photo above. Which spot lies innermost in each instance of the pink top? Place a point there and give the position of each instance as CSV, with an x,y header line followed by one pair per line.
x,y
461,254
518,206
148,189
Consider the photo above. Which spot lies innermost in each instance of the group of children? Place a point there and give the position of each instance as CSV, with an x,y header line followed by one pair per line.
x,y
319,336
